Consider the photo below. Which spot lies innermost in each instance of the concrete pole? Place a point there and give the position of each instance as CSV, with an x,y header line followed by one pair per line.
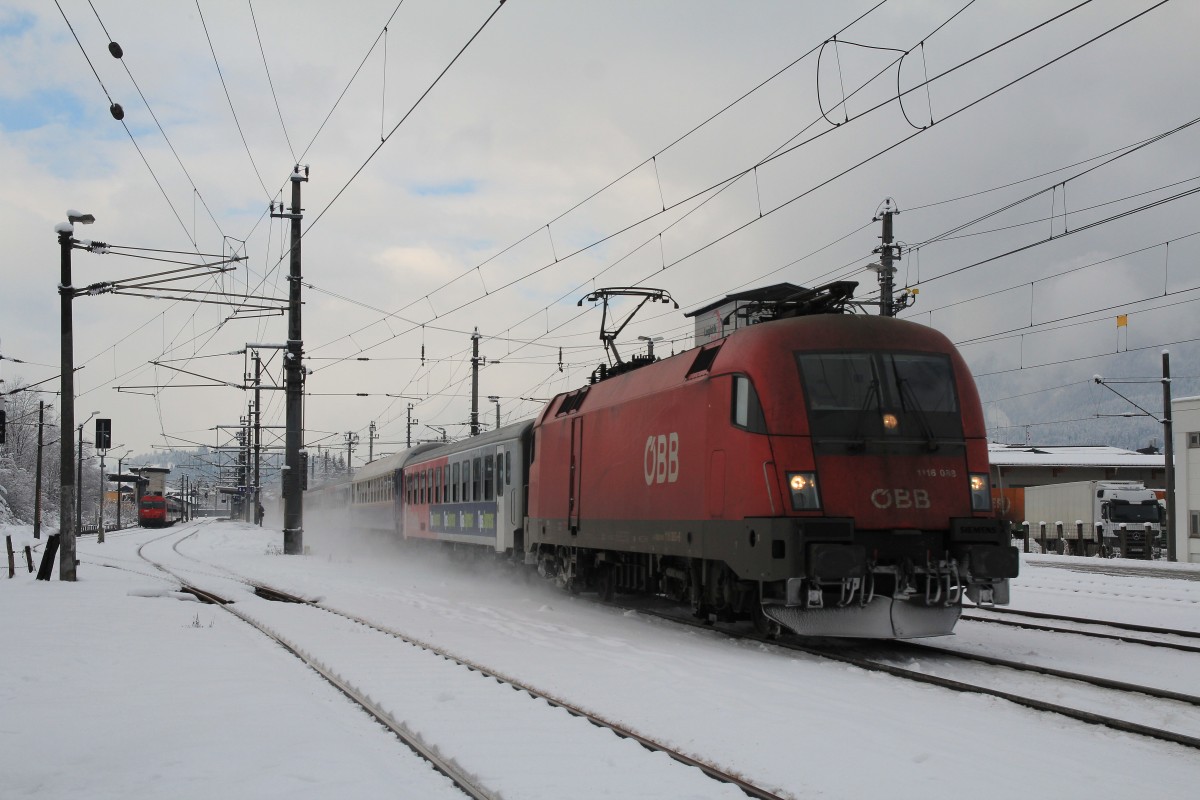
x,y
1169,458
257,435
120,494
100,526
475,383
66,497
887,270
293,502
79,483
37,483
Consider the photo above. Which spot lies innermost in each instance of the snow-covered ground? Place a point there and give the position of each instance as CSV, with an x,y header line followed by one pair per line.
x,y
117,686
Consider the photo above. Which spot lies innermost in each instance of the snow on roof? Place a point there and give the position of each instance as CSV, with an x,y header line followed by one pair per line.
x,y
1023,455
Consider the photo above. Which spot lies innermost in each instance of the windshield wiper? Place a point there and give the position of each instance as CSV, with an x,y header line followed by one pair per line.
x,y
861,417
931,443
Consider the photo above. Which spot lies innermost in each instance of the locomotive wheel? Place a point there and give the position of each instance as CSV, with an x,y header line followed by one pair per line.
x,y
564,578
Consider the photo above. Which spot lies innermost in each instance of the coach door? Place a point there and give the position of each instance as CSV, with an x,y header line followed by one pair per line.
x,y
576,477
503,524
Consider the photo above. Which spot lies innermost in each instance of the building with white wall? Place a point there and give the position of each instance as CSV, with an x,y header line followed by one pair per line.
x,y
1185,418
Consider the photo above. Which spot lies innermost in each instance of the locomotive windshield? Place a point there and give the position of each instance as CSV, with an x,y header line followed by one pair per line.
x,y
857,398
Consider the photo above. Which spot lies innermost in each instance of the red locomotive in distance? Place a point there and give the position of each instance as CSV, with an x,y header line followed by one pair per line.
x,y
824,473
152,511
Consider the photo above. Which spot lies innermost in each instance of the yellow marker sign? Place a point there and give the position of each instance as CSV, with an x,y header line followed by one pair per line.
x,y
1122,320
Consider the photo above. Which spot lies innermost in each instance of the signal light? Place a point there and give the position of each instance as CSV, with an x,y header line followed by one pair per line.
x,y
103,434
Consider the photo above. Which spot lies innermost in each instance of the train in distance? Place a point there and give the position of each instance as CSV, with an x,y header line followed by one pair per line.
x,y
158,511
821,472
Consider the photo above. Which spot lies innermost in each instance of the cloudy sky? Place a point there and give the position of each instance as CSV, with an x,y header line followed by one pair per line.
x,y
559,153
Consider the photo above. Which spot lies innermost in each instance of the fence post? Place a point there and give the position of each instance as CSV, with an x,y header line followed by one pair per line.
x,y
1149,543
1082,551
1025,534
1124,540
1042,536
1062,542
1101,550
12,563
29,558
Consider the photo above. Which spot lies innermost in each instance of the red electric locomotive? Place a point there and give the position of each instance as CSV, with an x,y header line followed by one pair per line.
x,y
824,473
152,511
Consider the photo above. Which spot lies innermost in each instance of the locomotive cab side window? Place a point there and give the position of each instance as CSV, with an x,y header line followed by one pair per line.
x,y
747,411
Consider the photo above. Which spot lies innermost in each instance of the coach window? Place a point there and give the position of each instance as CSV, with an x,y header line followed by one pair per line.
x,y
489,475
476,479
747,410
437,486
444,474
454,478
508,467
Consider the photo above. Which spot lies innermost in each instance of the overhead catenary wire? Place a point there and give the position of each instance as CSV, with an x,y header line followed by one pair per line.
x,y
650,160
193,337
229,99
271,83
841,174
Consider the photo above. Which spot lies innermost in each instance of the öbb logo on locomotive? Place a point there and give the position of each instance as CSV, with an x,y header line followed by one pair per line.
x,y
661,459
900,498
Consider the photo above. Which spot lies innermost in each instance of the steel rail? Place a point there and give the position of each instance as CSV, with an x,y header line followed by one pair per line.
x,y
1124,626
946,683
1033,626
711,770
278,595
1093,680
407,737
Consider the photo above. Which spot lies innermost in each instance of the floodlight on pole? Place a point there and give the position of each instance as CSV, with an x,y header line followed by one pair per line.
x,y
494,398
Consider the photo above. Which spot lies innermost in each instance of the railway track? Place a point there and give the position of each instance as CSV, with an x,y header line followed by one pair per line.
x,y
882,657
290,621
1174,639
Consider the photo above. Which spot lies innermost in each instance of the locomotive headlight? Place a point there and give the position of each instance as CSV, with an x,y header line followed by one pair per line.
x,y
803,486
890,422
981,492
